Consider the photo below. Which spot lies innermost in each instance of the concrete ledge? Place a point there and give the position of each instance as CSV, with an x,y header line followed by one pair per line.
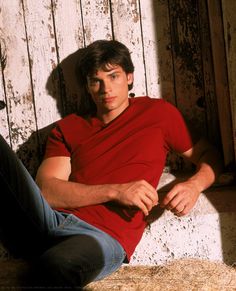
x,y
208,232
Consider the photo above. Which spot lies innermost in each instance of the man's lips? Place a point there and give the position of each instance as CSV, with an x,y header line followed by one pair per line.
x,y
108,99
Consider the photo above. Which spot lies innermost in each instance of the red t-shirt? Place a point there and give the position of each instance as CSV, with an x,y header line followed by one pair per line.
x,y
131,147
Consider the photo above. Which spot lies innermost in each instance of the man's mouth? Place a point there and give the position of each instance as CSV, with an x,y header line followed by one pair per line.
x,y
107,99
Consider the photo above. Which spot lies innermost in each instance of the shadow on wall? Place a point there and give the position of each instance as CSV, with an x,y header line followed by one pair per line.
x,y
62,86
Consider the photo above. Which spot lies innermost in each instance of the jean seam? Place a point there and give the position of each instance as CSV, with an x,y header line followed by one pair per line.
x,y
66,222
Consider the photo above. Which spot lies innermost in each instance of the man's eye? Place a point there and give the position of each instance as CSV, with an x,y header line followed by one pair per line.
x,y
114,76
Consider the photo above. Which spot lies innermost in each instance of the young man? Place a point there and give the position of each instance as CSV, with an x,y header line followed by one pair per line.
x,y
98,180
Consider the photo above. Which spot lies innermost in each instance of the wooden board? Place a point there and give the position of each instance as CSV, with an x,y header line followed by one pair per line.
x,y
157,49
188,78
4,129
20,107
209,102
221,79
43,58
127,29
229,10
96,20
69,38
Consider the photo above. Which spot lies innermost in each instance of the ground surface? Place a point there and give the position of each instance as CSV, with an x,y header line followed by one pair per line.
x,y
179,275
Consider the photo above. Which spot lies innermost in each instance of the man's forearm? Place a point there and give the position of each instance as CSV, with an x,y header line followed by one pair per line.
x,y
209,167
203,178
66,194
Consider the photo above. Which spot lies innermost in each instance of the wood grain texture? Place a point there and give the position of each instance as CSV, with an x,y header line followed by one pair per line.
x,y
69,38
4,125
186,51
127,29
16,74
229,20
221,79
208,101
96,20
43,58
157,52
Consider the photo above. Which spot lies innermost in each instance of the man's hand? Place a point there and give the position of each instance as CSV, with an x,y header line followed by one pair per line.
x,y
136,194
181,199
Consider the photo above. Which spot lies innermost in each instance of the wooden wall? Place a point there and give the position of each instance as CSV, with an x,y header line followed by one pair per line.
x,y
229,20
179,49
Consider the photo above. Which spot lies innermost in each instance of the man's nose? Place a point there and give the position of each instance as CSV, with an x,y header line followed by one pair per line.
x,y
106,86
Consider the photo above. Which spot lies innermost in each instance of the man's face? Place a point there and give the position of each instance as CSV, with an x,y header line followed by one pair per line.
x,y
109,90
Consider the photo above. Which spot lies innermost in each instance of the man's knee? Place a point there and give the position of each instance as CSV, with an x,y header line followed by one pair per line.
x,y
74,262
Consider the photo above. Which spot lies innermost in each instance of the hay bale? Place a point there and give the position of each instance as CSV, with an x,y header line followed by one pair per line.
x,y
179,275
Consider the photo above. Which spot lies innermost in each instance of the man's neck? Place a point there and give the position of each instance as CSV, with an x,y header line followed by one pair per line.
x,y
107,117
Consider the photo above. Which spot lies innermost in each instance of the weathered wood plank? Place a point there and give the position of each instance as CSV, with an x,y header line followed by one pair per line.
x,y
229,10
16,73
68,26
209,103
43,58
157,53
187,62
96,20
127,29
221,80
69,36
4,126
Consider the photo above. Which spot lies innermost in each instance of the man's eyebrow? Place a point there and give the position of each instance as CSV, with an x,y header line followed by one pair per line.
x,y
110,72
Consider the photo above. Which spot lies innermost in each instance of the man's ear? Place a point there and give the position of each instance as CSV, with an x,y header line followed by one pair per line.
x,y
130,78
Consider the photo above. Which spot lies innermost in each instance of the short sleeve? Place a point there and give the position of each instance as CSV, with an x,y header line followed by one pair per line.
x,y
177,135
56,145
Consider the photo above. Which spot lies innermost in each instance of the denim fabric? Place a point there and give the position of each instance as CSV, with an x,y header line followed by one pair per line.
x,y
27,218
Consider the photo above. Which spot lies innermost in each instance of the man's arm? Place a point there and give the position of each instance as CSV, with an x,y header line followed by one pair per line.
x,y
52,178
182,197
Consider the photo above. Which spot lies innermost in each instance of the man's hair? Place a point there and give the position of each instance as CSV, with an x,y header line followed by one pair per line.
x,y
100,54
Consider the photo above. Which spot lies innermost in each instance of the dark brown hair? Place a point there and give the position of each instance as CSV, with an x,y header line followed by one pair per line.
x,y
99,55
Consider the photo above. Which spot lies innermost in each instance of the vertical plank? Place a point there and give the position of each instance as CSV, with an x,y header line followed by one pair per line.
x,y
187,62
43,58
221,81
96,20
157,53
210,102
229,10
4,126
69,39
16,73
68,26
127,29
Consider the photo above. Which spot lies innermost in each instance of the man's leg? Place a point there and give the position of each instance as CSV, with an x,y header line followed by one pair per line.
x,y
25,217
77,261
81,258
78,256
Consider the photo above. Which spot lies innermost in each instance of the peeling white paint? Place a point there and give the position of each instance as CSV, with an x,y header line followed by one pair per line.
x,y
16,74
39,23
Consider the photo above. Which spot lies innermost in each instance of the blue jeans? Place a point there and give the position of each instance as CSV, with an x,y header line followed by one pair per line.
x,y
68,251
